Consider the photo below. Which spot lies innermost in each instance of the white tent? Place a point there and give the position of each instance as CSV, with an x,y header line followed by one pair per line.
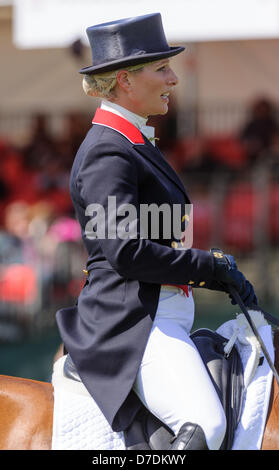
x,y
55,23
231,55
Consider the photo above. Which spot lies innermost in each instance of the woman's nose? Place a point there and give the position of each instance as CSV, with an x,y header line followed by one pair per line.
x,y
172,79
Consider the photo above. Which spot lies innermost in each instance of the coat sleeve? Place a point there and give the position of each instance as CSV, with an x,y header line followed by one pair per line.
x,y
110,175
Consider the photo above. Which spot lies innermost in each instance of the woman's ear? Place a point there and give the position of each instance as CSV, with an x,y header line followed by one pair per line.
x,y
123,80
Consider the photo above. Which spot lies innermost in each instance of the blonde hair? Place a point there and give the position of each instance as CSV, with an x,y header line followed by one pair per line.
x,y
101,85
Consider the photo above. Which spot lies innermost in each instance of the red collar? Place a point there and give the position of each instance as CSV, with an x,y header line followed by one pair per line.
x,y
119,124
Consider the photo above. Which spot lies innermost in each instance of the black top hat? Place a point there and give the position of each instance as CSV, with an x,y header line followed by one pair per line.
x,y
129,41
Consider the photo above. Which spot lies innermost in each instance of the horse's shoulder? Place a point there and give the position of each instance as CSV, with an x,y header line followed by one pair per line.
x,y
29,388
26,404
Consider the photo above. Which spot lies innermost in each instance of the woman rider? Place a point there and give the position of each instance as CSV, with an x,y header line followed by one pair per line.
x,y
128,335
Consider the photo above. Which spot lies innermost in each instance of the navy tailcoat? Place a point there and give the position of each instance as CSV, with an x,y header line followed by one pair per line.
x,y
107,331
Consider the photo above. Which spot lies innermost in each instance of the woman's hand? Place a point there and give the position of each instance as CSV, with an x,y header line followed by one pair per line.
x,y
226,273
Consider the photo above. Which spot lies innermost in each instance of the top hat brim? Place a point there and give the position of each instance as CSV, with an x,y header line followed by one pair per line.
x,y
131,60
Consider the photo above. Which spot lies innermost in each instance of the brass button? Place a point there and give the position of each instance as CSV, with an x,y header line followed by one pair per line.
x,y
85,272
201,283
185,217
191,282
174,244
217,255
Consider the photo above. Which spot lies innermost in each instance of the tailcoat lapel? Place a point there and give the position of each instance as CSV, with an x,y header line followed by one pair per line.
x,y
154,155
140,143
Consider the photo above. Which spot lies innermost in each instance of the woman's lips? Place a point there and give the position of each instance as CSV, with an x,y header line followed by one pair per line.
x,y
165,97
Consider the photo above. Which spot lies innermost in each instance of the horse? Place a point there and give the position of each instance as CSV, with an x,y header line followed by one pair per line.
x,y
26,411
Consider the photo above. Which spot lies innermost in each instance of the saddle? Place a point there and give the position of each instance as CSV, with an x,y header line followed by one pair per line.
x,y
147,432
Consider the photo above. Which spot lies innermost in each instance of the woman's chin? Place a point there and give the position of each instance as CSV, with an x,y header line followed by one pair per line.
x,y
160,110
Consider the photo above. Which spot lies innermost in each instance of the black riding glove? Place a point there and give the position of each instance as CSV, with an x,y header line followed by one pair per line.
x,y
226,273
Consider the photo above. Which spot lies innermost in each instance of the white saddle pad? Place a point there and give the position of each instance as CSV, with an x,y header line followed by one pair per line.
x,y
79,424
258,377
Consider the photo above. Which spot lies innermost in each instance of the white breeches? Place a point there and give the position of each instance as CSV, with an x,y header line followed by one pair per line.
x,y
172,381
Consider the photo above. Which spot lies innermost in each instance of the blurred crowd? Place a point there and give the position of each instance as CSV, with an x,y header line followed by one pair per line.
x,y
233,181
41,254
255,140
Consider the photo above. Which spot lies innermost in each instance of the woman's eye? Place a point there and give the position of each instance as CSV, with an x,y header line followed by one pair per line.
x,y
162,68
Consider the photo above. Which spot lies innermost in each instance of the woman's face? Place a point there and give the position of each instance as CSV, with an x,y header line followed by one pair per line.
x,y
148,89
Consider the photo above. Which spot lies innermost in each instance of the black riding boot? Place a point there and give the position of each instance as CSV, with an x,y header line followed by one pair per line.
x,y
190,437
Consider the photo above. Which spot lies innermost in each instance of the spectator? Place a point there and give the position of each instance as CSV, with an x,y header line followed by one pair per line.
x,y
41,148
18,260
15,246
259,131
76,125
